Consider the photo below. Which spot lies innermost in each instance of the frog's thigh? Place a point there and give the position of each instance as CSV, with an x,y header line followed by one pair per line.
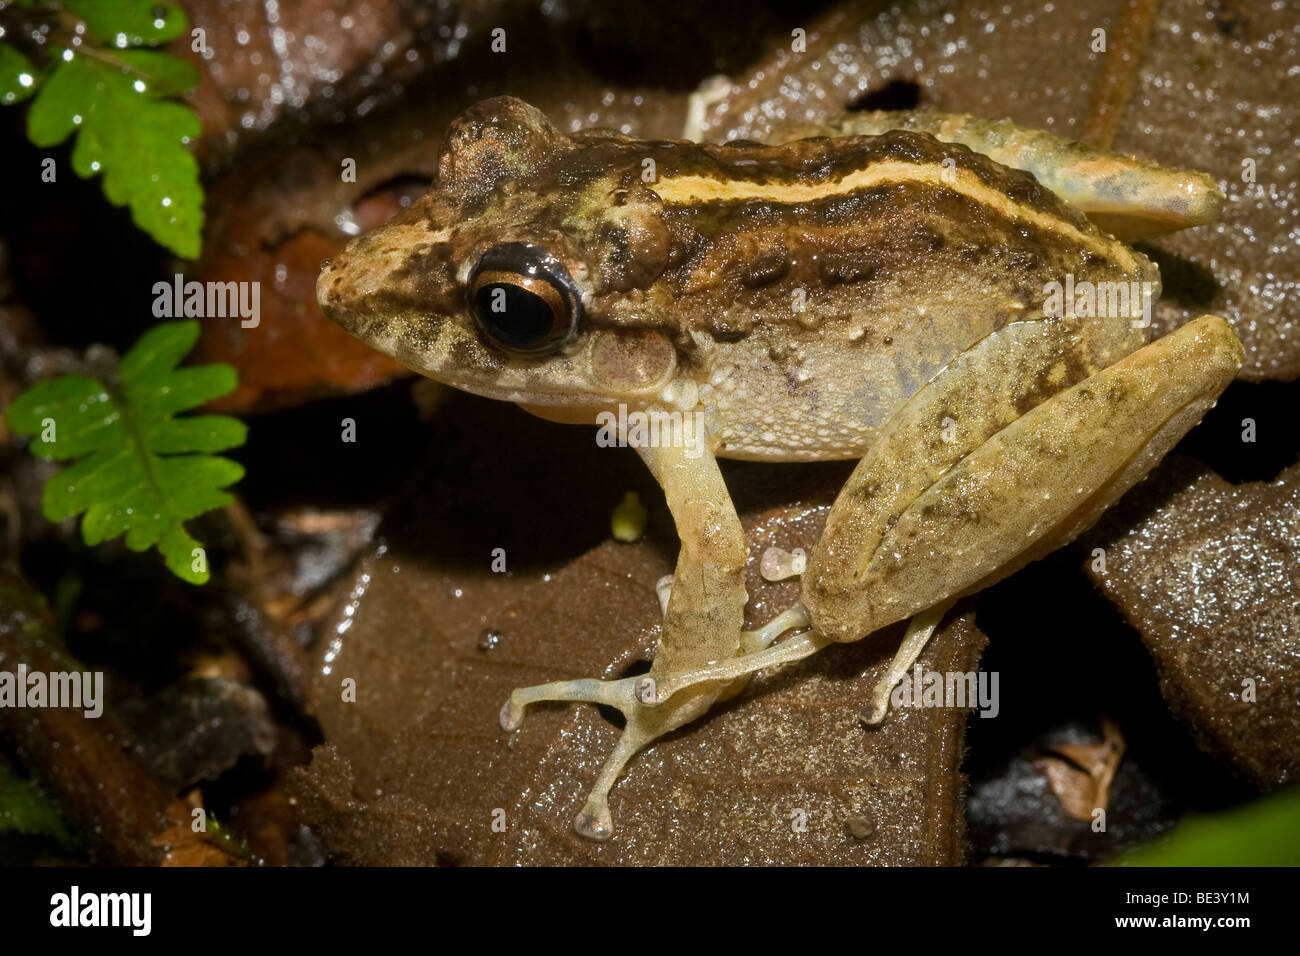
x,y
929,516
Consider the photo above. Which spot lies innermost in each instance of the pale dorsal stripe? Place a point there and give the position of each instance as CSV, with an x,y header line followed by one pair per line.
x,y
692,189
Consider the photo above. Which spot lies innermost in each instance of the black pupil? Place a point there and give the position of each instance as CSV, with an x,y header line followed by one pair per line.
x,y
513,316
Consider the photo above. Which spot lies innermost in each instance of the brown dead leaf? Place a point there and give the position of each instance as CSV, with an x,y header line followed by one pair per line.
x,y
1081,774
182,846
1206,571
339,52
417,769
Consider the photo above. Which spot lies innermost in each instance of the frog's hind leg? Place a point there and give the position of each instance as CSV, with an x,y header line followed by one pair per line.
x,y
1130,198
921,522
919,630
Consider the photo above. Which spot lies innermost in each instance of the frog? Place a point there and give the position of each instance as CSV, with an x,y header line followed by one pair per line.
x,y
884,288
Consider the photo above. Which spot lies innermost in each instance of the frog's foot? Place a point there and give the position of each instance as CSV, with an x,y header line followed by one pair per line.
x,y
644,725
919,630
755,655
635,698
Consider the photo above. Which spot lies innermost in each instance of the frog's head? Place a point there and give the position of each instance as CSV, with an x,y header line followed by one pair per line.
x,y
527,273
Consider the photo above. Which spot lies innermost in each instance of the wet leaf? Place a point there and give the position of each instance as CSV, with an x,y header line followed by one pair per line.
x,y
18,77
1206,571
127,23
183,845
129,131
417,769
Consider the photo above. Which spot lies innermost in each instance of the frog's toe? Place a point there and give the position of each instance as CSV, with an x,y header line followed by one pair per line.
x,y
664,590
644,725
512,714
778,564
619,694
874,715
595,822
793,618
919,630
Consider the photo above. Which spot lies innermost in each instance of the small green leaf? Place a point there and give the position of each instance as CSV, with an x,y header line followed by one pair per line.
x,y
185,388
142,472
24,809
18,78
57,111
132,136
127,23
1264,832
196,433
81,404
159,350
163,75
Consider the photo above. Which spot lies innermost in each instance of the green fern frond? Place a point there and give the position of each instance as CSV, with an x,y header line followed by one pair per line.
x,y
142,472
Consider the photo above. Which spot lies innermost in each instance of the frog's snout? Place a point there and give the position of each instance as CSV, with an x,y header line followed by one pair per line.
x,y
324,298
333,291
357,300
342,303
387,280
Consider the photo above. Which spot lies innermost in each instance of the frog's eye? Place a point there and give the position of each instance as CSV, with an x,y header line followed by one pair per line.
x,y
523,299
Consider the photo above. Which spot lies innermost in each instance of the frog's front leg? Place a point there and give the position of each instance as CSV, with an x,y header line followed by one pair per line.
x,y
703,622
